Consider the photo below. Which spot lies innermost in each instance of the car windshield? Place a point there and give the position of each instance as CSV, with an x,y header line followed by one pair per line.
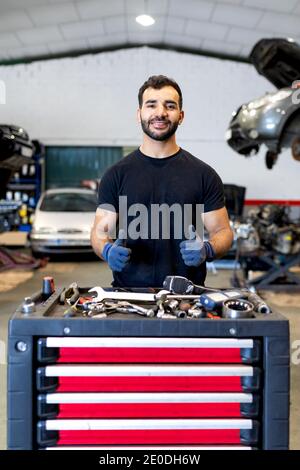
x,y
69,202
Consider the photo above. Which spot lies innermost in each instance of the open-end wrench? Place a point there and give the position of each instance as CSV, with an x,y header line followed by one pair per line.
x,y
135,296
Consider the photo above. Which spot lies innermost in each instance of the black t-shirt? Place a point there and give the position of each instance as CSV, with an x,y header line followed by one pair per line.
x,y
180,179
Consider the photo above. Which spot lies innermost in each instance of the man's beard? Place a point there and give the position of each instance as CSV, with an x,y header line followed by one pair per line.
x,y
160,136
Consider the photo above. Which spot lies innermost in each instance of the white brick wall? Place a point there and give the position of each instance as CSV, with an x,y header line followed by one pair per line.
x,y
92,100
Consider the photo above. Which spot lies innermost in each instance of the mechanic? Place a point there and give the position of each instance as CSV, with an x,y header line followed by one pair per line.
x,y
159,173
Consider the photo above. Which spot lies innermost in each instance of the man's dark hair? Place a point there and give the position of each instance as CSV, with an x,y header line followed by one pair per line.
x,y
158,82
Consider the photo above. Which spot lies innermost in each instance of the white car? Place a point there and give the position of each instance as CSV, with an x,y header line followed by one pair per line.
x,y
62,222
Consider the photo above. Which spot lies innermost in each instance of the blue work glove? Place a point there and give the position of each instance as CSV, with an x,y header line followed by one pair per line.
x,y
194,251
115,254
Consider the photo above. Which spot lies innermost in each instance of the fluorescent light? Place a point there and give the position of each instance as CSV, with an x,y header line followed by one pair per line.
x,y
145,20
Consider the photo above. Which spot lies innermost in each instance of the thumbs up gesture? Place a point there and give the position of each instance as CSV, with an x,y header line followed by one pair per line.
x,y
116,254
194,251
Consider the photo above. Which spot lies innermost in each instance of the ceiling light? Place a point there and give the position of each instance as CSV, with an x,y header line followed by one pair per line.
x,y
145,20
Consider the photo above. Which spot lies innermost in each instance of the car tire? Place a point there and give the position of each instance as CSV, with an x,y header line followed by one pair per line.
x,y
37,254
295,147
271,159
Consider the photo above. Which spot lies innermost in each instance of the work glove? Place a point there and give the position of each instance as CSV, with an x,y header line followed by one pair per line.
x,y
115,254
194,251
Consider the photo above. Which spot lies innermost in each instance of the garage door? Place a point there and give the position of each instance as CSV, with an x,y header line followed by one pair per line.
x,y
68,166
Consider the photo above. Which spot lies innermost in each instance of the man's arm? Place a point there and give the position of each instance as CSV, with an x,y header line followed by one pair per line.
x,y
104,226
220,234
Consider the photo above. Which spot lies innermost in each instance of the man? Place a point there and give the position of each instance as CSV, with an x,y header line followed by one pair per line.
x,y
158,175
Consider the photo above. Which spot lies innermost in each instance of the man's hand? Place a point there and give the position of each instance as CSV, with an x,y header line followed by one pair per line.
x,y
194,251
115,254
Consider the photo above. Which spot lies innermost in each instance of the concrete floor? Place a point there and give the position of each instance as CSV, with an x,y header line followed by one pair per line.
x,y
89,273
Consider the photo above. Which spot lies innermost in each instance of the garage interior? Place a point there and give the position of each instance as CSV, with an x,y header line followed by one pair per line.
x,y
70,71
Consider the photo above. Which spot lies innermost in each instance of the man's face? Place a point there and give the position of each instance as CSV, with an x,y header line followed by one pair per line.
x,y
160,113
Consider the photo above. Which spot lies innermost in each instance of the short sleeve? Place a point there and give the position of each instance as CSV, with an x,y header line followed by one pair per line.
x,y
214,192
108,192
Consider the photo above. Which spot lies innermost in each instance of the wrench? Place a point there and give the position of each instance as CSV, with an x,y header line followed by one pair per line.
x,y
136,296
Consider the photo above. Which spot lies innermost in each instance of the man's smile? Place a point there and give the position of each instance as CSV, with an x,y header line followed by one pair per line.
x,y
159,124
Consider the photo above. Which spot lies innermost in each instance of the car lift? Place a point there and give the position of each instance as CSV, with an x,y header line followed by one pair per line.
x,y
16,260
11,259
277,276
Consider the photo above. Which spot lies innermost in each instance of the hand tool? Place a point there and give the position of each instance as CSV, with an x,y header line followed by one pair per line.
x,y
237,309
136,296
28,306
48,287
70,294
161,309
70,312
259,305
168,315
214,300
99,315
179,313
121,307
172,306
182,285
196,312
126,307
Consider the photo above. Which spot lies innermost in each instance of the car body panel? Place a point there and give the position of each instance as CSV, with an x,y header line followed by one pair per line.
x,y
273,119
15,146
278,60
62,231
15,150
267,117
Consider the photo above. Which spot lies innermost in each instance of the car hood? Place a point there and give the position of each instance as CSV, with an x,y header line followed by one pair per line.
x,y
278,60
15,150
265,100
63,220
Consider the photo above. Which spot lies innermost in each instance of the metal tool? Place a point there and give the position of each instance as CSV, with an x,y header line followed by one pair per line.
x,y
70,294
108,307
99,315
136,296
172,306
73,311
28,306
161,309
259,305
196,312
214,300
168,315
182,285
237,309
126,307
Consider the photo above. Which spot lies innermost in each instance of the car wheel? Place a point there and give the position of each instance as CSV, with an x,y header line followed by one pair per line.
x,y
37,254
271,159
295,147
